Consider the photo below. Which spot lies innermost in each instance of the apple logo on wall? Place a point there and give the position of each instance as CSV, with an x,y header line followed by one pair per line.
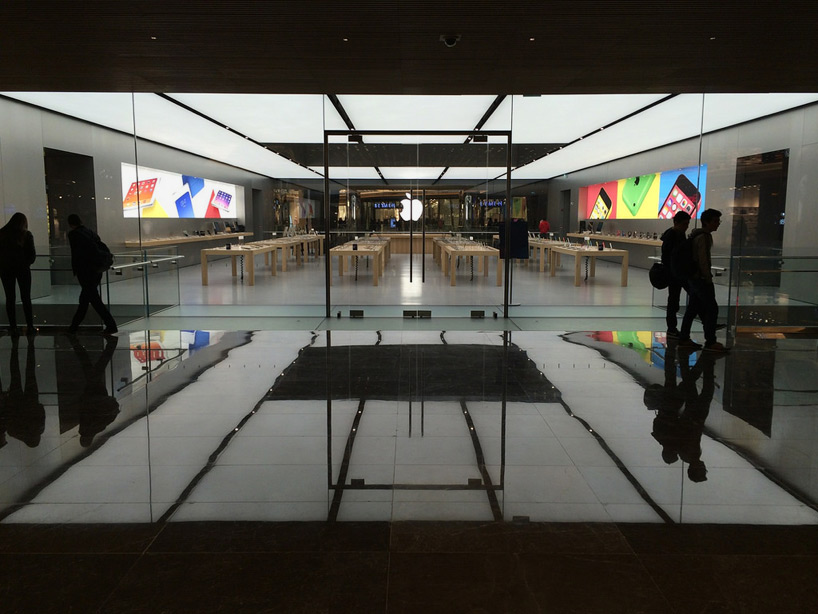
x,y
412,208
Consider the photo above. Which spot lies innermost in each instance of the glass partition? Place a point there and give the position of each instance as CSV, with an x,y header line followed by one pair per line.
x,y
413,233
237,183
61,155
604,175
771,294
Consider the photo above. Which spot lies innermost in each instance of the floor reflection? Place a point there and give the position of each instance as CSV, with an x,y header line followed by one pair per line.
x,y
593,426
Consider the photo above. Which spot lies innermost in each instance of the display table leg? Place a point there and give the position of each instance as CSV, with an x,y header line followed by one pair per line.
x,y
577,267
624,270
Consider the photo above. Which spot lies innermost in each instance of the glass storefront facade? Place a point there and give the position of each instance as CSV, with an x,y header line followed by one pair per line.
x,y
161,184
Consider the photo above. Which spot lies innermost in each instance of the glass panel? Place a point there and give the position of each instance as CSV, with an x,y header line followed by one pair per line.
x,y
423,219
61,155
607,173
762,171
773,294
209,165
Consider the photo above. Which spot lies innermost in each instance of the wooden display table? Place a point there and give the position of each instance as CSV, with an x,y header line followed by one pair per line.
x,y
400,242
235,252
451,252
615,239
298,245
593,254
542,246
226,236
374,250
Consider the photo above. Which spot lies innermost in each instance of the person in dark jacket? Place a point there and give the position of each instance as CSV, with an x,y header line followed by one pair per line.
x,y
85,265
702,298
17,254
671,238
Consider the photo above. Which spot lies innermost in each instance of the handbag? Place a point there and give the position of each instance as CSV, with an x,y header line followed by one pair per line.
x,y
659,276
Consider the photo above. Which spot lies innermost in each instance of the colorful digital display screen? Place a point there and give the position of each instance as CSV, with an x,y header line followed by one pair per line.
x,y
647,197
152,193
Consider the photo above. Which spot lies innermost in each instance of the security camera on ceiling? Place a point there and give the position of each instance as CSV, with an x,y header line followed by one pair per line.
x,y
450,40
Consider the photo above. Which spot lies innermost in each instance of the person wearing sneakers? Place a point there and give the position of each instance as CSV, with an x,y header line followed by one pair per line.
x,y
671,238
702,298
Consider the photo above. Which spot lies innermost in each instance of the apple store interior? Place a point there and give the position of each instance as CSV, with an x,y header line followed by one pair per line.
x,y
412,335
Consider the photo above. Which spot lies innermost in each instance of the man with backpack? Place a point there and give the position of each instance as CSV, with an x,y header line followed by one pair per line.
x,y
702,296
671,239
90,258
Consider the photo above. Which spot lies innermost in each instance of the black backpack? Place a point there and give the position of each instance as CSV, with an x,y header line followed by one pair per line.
x,y
104,257
682,264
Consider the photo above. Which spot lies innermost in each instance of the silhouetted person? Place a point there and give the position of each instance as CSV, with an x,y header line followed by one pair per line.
x,y
23,414
17,254
680,432
96,408
702,296
667,400
85,265
672,238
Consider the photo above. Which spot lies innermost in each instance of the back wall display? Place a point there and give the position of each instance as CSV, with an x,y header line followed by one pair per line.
x,y
647,197
151,193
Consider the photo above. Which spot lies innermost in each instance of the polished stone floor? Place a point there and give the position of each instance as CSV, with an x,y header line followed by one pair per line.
x,y
241,452
412,468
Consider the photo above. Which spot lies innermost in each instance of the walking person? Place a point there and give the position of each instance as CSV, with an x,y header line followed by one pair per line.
x,y
85,263
671,239
702,298
17,254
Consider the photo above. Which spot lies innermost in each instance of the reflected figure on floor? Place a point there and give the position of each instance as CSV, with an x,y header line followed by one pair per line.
x,y
96,408
681,410
22,415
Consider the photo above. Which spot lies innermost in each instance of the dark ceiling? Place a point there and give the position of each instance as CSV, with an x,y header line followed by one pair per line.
x,y
283,46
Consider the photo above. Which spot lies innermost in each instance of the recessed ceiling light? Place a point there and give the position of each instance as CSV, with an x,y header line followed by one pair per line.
x,y
531,38
346,40
153,38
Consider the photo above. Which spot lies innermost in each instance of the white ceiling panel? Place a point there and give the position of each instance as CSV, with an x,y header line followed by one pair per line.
x,y
349,172
474,173
408,173
562,119
678,118
112,110
722,110
295,118
415,112
160,120
269,118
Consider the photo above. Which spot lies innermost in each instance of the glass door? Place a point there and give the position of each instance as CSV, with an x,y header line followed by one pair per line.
x,y
414,221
